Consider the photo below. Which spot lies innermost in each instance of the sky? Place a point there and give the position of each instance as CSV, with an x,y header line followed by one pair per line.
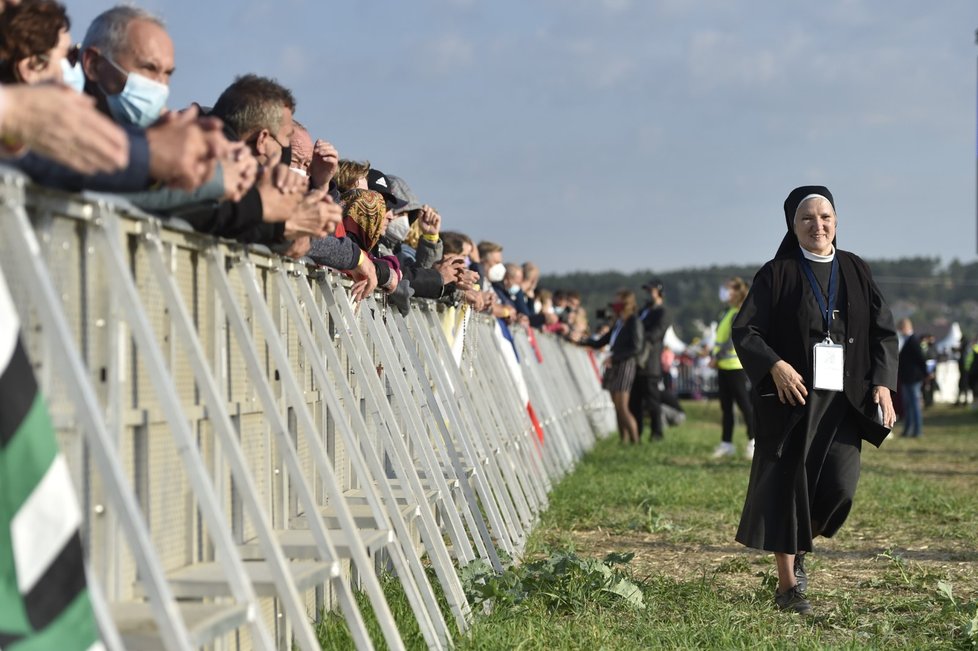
x,y
625,134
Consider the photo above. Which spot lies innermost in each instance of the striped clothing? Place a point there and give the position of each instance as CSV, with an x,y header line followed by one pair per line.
x,y
44,602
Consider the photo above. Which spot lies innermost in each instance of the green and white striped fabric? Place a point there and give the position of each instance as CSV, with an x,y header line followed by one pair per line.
x,y
44,602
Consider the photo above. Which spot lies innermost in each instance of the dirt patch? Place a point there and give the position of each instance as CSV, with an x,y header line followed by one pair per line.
x,y
850,565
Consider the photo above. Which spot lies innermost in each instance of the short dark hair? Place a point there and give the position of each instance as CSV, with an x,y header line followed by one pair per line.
x,y
253,103
29,29
453,243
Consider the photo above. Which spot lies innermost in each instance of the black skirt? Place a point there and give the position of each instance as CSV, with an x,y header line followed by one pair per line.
x,y
619,376
808,490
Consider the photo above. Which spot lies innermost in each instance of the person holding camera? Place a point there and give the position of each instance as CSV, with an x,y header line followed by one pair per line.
x,y
625,341
646,393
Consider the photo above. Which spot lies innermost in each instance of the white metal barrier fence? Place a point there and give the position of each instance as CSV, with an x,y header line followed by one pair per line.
x,y
250,447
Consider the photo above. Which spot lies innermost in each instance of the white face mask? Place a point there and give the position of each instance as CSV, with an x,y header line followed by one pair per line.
x,y
398,228
514,290
72,75
141,101
724,293
496,273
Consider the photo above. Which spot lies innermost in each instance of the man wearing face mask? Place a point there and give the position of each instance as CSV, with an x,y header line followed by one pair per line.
x,y
127,58
258,112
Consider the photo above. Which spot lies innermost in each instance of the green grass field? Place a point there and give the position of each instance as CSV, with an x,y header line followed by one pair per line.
x,y
900,575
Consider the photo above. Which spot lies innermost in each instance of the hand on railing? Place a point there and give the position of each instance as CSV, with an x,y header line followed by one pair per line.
x,y
364,278
183,148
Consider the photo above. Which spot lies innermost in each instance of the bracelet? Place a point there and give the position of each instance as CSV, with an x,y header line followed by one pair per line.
x,y
429,237
360,259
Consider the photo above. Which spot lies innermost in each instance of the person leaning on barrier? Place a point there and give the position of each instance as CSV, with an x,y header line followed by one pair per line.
x,y
460,246
127,57
818,343
259,112
624,340
52,131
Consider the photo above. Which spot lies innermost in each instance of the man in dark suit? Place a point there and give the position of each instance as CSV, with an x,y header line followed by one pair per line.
x,y
646,394
911,371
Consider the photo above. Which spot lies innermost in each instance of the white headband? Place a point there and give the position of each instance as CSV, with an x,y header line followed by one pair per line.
x,y
806,198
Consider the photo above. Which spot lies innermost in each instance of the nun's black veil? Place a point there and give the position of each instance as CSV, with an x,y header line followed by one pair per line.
x,y
789,245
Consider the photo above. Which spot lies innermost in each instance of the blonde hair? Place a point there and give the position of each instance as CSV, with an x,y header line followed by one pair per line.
x,y
739,288
349,172
628,303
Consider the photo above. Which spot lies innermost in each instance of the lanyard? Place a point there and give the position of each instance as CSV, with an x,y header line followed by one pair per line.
x,y
833,291
615,333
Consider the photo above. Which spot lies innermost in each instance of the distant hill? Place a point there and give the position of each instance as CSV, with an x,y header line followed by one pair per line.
x,y
931,294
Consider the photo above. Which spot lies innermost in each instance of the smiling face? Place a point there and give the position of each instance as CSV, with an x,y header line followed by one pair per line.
x,y
814,225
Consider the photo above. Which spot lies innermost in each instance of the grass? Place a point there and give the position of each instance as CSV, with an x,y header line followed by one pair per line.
x,y
661,518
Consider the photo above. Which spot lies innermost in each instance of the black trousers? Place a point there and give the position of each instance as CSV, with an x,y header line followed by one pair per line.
x,y
647,397
732,387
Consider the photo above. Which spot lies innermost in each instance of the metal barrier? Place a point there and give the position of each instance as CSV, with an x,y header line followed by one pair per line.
x,y
250,447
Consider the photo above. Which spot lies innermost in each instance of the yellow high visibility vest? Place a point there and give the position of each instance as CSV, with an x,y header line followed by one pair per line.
x,y
723,349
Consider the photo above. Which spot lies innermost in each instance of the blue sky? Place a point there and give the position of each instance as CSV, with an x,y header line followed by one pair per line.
x,y
625,134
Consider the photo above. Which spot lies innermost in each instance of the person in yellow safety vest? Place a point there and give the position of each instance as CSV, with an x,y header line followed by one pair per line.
x,y
732,381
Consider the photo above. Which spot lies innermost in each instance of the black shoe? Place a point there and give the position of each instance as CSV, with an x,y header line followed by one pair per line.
x,y
801,578
793,599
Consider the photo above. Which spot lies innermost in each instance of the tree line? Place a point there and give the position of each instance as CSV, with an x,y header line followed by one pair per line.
x,y
931,293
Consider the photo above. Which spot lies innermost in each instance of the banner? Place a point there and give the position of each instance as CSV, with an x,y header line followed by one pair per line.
x,y
44,601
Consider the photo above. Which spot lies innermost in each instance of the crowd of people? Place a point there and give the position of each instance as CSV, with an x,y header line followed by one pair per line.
x,y
95,116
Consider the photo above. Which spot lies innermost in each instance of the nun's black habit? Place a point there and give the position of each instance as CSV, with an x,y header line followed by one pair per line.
x,y
806,463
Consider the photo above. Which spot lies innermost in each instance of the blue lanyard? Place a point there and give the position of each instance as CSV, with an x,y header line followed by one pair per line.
x,y
833,290
615,333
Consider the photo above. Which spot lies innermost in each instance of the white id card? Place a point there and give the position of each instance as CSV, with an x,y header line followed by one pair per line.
x,y
829,361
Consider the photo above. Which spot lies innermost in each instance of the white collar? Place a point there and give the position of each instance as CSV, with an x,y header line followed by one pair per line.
x,y
814,257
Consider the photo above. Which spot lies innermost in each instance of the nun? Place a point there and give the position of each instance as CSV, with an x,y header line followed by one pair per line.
x,y
818,343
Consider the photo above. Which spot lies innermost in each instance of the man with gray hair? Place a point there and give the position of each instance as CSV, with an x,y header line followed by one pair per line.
x,y
127,57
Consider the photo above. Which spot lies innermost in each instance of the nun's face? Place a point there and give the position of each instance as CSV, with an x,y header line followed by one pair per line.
x,y
815,225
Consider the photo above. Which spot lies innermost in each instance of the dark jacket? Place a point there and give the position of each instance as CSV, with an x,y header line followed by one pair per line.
x,y
627,344
772,325
133,178
913,365
656,321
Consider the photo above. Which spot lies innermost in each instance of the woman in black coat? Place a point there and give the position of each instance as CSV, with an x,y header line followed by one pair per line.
x,y
819,346
625,340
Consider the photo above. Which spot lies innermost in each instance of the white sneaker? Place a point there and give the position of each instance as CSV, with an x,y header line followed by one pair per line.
x,y
749,452
724,450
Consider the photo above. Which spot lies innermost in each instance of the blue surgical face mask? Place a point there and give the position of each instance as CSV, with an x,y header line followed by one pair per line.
x,y
141,100
468,262
72,75
724,293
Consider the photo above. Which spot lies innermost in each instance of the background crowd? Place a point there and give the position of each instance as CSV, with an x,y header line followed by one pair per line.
x,y
240,166
237,165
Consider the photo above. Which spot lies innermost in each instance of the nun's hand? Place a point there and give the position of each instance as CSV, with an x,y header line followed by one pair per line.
x,y
790,385
881,396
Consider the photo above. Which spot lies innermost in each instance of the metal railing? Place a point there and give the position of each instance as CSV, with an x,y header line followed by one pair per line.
x,y
250,447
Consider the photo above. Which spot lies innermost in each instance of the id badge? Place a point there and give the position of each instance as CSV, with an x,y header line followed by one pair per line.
x,y
829,363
